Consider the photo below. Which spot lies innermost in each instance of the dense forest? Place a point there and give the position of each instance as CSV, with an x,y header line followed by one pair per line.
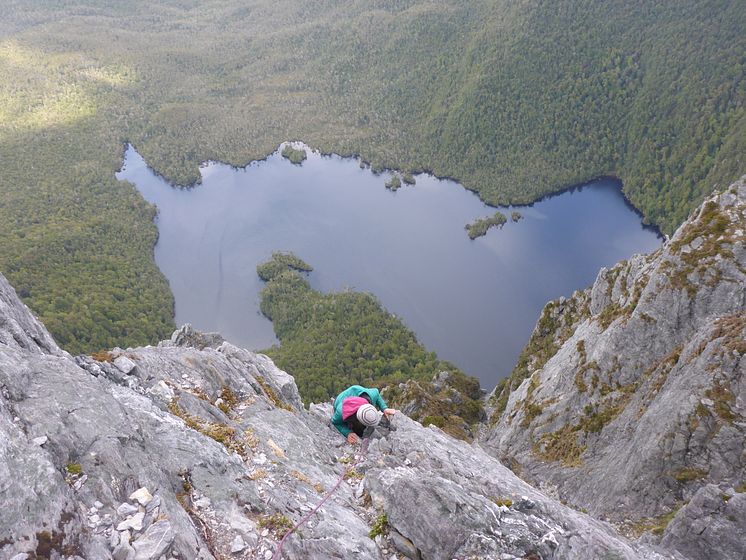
x,y
515,100
331,341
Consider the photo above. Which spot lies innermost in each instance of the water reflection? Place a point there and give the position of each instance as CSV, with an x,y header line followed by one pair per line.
x,y
473,302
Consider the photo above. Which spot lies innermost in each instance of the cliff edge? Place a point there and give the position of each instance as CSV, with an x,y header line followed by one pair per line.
x,y
630,399
199,449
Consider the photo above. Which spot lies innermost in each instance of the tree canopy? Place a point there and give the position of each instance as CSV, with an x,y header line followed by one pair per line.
x,y
515,100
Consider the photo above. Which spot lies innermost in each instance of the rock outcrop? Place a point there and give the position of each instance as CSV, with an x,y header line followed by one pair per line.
x,y
630,399
199,449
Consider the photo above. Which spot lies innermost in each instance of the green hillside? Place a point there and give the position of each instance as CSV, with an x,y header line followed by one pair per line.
x,y
514,99
331,341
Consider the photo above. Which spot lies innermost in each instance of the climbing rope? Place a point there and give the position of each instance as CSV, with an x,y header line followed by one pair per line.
x,y
363,453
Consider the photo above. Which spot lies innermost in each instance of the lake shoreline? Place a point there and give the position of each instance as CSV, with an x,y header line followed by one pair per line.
x,y
367,165
409,249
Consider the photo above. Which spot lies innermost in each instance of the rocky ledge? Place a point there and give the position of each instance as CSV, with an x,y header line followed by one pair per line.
x,y
630,399
199,449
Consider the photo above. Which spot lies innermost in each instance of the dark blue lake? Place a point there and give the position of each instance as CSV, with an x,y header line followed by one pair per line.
x,y
473,302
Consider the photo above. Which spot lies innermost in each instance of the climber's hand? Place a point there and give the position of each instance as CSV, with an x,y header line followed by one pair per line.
x,y
352,437
390,412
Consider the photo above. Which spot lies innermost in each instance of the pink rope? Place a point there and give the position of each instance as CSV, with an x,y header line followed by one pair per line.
x,y
363,452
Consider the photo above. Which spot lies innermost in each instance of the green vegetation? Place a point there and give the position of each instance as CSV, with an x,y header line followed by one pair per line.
x,y
279,263
724,400
229,400
688,474
379,526
556,324
223,434
408,178
295,156
562,446
655,525
484,92
331,341
515,215
277,523
393,184
479,227
74,468
503,502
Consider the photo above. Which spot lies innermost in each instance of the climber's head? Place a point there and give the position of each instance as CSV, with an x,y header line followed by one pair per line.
x,y
368,415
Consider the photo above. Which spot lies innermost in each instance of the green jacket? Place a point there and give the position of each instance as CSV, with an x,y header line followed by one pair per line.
x,y
354,391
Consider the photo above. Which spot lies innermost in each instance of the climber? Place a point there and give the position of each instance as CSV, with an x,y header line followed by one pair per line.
x,y
356,408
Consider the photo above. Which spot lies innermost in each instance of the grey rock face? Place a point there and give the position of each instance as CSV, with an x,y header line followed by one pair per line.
x,y
19,329
453,500
641,402
156,541
704,528
147,449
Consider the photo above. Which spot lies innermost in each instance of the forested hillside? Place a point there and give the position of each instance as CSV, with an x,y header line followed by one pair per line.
x,y
516,100
331,341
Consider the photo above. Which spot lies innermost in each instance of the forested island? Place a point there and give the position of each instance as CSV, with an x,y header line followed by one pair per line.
x,y
480,227
513,101
331,341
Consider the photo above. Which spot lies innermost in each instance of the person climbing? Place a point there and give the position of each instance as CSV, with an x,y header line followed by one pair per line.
x,y
356,408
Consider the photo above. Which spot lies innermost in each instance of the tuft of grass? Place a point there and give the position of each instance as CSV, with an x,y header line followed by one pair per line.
x,y
300,476
354,475
380,525
223,434
688,474
506,502
561,446
656,525
74,469
272,395
257,474
184,496
532,411
277,523
723,398
103,356
230,400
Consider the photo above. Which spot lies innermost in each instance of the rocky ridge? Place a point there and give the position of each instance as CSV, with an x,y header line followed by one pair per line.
x,y
630,398
199,449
